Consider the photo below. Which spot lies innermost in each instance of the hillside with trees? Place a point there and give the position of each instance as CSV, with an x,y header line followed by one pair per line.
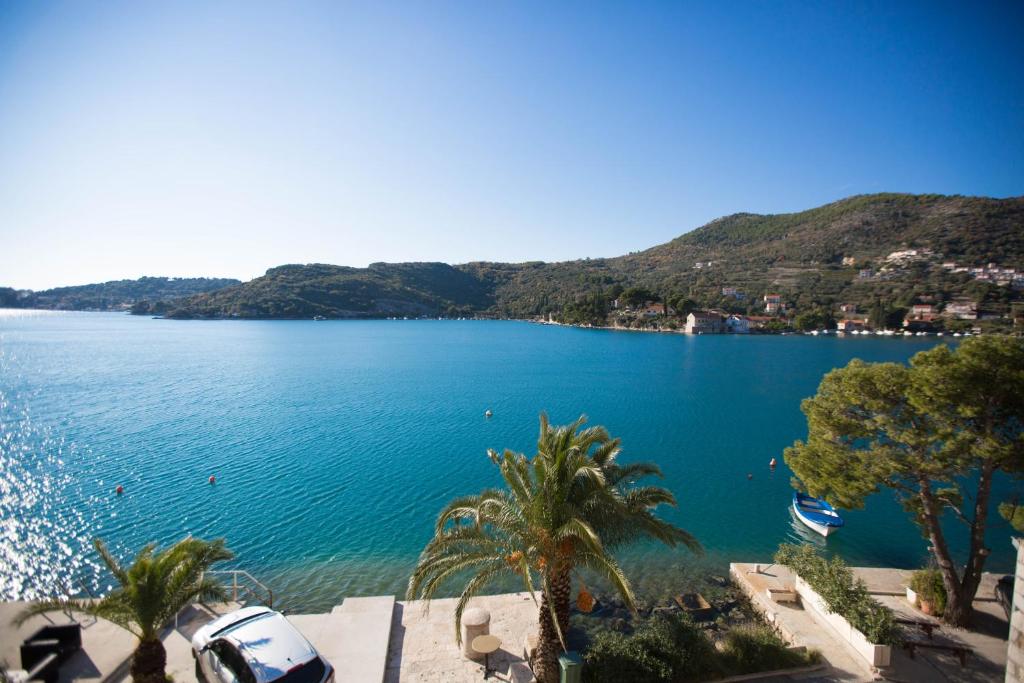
x,y
815,259
305,291
117,295
875,254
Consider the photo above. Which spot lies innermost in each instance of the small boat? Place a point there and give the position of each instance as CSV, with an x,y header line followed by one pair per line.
x,y
319,317
816,513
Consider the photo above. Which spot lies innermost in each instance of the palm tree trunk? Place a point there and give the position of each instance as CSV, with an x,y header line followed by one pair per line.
x,y
549,645
149,662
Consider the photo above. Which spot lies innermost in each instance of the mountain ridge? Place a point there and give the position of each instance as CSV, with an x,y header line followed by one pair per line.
x,y
112,295
815,259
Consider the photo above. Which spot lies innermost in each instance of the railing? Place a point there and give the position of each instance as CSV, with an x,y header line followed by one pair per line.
x,y
245,585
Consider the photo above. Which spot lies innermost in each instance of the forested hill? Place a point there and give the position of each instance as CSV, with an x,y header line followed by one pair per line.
x,y
111,296
821,257
814,259
305,291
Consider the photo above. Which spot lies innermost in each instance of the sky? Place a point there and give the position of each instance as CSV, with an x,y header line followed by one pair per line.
x,y
224,138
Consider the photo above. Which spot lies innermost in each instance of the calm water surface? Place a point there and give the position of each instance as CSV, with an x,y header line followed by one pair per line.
x,y
335,444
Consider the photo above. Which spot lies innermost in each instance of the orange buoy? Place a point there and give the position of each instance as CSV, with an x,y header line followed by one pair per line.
x,y
213,479
119,490
772,463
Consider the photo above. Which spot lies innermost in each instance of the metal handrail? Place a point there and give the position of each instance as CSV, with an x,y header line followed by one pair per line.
x,y
267,596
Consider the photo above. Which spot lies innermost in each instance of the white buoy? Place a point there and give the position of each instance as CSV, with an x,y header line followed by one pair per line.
x,y
488,413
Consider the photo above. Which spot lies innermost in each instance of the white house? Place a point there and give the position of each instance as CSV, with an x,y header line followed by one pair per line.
x,y
737,324
772,303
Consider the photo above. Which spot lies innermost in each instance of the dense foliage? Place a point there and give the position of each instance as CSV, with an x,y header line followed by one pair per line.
x,y
936,433
111,296
665,648
813,259
670,648
843,594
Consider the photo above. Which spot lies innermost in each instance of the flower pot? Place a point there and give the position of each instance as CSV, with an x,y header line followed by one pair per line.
x,y
926,607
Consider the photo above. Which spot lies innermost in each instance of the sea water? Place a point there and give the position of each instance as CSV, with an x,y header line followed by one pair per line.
x,y
334,444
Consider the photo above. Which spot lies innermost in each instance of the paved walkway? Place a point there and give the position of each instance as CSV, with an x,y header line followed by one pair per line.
x,y
798,626
423,648
987,636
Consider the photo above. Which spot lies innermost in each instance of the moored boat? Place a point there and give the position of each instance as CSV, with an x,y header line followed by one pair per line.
x,y
816,513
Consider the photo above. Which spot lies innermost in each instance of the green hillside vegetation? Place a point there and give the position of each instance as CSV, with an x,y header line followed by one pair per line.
x,y
799,256
111,296
305,291
815,260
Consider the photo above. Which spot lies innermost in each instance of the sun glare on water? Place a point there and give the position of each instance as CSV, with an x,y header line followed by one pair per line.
x,y
45,542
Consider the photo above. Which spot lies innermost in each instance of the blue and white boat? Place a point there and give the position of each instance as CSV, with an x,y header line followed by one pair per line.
x,y
816,513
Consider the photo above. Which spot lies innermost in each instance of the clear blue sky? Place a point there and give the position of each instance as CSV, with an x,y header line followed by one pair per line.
x,y
213,138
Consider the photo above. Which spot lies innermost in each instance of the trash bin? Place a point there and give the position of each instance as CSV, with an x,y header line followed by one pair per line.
x,y
570,665
475,622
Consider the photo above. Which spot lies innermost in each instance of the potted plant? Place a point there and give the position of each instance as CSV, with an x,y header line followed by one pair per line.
x,y
929,589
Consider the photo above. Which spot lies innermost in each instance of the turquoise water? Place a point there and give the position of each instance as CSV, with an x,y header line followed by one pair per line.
x,y
334,444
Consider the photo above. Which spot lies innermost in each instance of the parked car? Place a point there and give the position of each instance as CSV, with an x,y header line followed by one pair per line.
x,y
256,645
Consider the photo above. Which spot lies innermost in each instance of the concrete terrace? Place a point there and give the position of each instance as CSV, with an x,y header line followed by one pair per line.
x,y
381,640
367,640
987,637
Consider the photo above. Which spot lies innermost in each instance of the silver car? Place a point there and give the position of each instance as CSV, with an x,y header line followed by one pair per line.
x,y
256,645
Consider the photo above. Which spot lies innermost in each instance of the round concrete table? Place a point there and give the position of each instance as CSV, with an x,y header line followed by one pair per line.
x,y
485,645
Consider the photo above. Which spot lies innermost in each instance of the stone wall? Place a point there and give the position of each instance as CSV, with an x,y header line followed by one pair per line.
x,y
1015,649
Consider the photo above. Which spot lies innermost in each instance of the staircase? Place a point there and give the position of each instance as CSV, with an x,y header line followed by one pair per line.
x,y
353,637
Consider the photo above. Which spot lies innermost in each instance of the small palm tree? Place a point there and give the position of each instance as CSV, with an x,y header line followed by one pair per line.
x,y
152,590
562,510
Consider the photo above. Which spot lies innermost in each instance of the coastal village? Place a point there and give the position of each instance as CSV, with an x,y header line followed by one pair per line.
x,y
777,312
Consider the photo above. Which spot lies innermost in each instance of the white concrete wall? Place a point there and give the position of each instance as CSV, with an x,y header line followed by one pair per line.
x,y
1015,649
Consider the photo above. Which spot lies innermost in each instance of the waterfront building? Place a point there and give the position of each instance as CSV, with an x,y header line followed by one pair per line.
x,y
704,322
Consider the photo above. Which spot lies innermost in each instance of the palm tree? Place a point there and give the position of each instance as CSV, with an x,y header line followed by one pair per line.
x,y
152,590
562,510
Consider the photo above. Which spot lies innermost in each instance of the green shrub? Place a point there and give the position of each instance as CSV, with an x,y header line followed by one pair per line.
x,y
666,648
928,584
753,648
843,593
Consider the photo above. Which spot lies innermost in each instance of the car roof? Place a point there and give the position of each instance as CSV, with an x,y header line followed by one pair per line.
x,y
270,644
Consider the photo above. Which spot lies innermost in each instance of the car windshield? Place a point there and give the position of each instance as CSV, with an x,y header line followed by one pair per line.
x,y
310,672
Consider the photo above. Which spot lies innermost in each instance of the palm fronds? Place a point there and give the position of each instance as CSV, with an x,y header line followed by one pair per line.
x,y
565,507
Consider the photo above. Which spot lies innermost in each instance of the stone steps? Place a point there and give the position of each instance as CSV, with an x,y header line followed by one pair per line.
x,y
353,637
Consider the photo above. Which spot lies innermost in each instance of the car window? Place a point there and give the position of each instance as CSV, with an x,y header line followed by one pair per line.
x,y
310,672
231,658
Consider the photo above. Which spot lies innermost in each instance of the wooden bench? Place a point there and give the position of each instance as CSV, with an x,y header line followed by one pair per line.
x,y
927,626
961,651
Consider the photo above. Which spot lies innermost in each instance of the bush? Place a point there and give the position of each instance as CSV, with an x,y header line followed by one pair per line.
x,y
928,584
666,648
753,648
843,594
